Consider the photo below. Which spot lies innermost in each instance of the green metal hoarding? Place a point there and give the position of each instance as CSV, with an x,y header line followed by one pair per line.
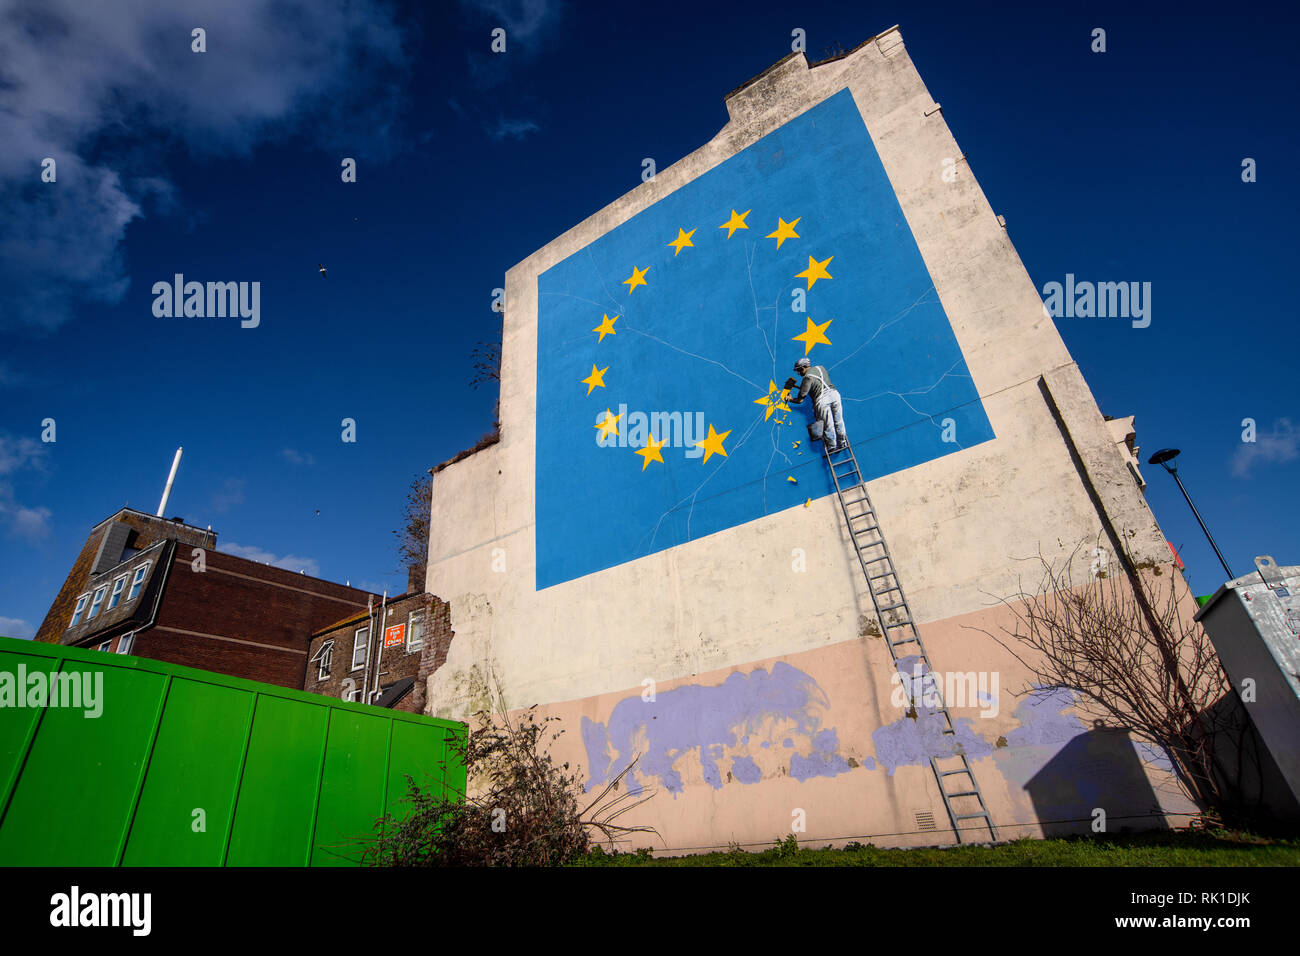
x,y
113,760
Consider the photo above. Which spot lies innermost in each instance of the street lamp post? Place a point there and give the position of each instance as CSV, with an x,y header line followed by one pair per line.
x,y
1165,457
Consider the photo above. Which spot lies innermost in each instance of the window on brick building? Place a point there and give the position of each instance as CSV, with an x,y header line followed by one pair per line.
x,y
105,646
125,643
322,658
81,606
98,600
116,596
415,631
138,580
359,643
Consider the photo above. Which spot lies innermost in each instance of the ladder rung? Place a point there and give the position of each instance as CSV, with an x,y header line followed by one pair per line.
x,y
855,493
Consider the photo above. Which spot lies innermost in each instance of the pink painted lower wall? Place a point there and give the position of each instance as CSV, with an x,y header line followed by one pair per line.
x,y
824,738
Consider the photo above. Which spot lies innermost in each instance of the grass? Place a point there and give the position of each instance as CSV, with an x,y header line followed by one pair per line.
x,y
1153,848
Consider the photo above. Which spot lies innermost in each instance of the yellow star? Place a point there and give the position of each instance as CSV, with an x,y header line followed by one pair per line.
x,y
813,335
682,241
767,400
651,452
816,270
713,444
784,231
638,278
737,221
594,379
608,424
606,327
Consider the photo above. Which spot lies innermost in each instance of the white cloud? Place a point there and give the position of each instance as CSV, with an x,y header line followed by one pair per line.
x,y
527,24
81,80
290,562
523,19
512,129
1281,444
17,454
295,457
16,627
231,494
30,523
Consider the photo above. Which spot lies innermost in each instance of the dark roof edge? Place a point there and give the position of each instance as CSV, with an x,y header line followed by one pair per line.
x,y
491,438
754,79
811,65
352,619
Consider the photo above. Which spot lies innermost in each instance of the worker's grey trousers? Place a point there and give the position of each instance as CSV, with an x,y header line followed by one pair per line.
x,y
831,413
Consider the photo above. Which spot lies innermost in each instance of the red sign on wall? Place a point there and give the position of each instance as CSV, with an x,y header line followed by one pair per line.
x,y
394,635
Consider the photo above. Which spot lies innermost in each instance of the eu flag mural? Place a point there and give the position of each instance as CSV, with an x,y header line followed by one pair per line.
x,y
663,347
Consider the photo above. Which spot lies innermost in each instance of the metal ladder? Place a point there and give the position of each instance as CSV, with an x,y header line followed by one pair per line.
x,y
895,618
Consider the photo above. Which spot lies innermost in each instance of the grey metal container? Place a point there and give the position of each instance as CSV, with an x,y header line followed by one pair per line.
x,y
1254,623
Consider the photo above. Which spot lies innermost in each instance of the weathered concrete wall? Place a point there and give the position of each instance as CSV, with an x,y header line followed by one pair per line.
x,y
963,528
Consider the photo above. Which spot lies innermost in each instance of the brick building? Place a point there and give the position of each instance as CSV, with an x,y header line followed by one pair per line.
x,y
158,588
416,633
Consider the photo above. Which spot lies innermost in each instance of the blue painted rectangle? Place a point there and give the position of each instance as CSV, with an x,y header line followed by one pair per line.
x,y
713,328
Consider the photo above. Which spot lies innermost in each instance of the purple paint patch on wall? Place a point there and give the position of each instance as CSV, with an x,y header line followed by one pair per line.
x,y
745,770
711,724
911,742
1043,718
823,761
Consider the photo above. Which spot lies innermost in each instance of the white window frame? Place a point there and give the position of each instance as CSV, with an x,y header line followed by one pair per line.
x,y
354,695
96,601
416,615
80,609
363,648
105,646
323,660
125,642
115,597
137,581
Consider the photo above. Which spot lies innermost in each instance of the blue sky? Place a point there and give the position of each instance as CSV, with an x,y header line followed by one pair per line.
x,y
224,166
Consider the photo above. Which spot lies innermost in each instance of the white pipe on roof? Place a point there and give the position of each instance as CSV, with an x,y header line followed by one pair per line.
x,y
176,463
